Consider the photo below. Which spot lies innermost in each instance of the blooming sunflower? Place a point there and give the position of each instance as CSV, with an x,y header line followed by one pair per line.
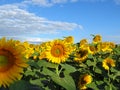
x,y
83,43
11,62
57,51
112,44
107,63
69,39
83,81
29,49
97,39
81,55
105,46
92,49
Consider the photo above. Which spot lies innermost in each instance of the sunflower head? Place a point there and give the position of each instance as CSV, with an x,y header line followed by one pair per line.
x,y
97,39
111,45
92,49
84,80
106,46
57,51
83,42
11,62
107,63
81,55
69,39
29,49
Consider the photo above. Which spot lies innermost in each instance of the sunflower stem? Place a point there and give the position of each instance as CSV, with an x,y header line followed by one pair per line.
x,y
57,72
109,80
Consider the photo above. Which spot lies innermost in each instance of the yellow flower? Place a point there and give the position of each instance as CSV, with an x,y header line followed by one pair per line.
x,y
29,49
83,81
42,55
97,39
57,51
35,57
69,39
81,55
106,46
83,42
107,63
11,62
92,49
112,45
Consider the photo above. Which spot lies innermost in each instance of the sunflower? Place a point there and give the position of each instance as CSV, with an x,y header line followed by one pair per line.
x,y
92,49
97,39
112,45
81,55
105,46
29,49
57,51
11,62
83,43
107,63
83,81
69,39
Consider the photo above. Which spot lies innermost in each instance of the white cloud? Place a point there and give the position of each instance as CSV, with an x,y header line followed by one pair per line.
x,y
30,39
48,3
18,22
36,39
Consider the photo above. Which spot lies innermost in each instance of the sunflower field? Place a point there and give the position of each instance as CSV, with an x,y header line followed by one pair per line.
x,y
60,64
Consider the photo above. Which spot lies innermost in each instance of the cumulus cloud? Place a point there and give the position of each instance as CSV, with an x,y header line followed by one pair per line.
x,y
18,22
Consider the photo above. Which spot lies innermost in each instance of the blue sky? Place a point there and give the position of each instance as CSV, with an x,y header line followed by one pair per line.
x,y
43,20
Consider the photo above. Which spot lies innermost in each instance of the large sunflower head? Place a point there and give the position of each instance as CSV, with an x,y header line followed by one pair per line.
x,y
11,62
57,51
107,63
83,81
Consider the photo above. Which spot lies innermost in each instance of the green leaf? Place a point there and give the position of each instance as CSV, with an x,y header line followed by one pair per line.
x,y
97,70
90,63
46,64
99,82
33,63
116,75
113,69
107,87
20,85
36,82
113,87
93,86
68,68
29,72
90,56
67,82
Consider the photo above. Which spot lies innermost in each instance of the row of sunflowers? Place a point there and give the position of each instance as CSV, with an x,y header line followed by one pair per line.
x,y
59,64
